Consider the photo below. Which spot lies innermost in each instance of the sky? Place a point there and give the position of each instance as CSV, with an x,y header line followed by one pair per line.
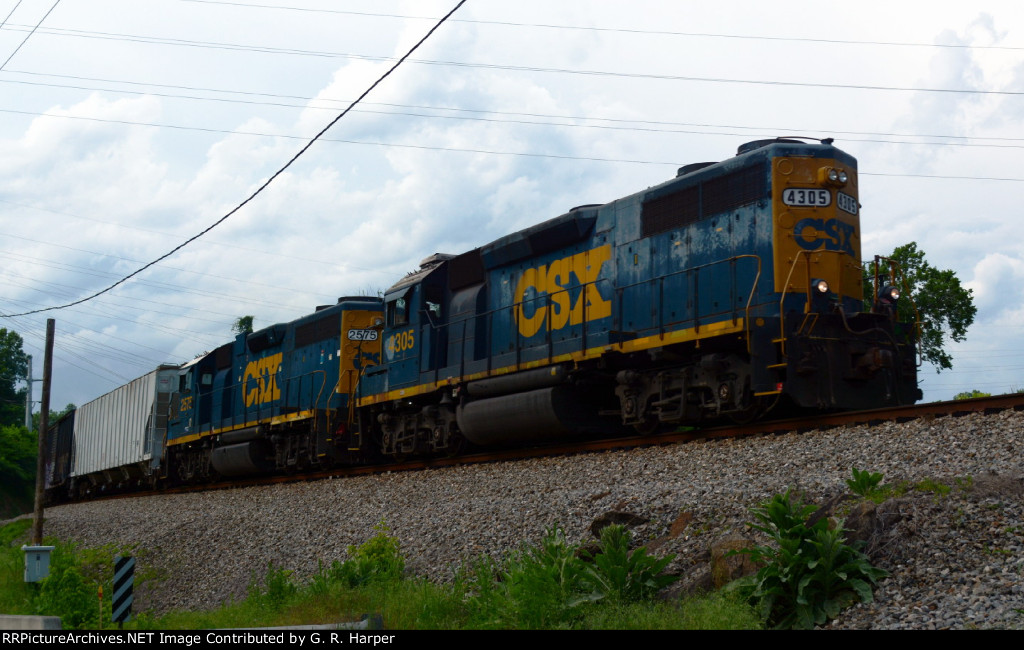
x,y
127,128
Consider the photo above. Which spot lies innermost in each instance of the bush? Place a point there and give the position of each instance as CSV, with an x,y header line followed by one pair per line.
x,y
537,587
971,395
379,559
550,585
67,593
618,575
277,588
810,574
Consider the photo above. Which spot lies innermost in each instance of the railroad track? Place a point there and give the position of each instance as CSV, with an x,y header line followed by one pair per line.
x,y
761,427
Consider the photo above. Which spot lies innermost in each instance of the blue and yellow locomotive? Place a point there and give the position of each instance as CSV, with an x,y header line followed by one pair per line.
x,y
280,398
728,290
731,288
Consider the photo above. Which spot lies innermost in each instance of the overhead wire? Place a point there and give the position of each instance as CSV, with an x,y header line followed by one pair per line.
x,y
260,251
29,35
265,184
651,162
543,69
10,13
646,32
176,269
527,154
616,127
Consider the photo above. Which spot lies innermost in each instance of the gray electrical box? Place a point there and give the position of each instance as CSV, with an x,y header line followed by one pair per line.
x,y
37,562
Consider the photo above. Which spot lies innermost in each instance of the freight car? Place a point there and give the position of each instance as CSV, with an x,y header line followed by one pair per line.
x,y
113,442
730,289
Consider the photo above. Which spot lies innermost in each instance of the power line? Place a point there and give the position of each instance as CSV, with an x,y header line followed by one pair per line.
x,y
616,29
33,31
449,109
263,252
10,13
266,183
656,128
493,152
177,269
521,68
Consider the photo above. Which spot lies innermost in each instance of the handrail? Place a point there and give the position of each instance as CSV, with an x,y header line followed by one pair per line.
x,y
893,267
253,414
785,291
750,298
547,304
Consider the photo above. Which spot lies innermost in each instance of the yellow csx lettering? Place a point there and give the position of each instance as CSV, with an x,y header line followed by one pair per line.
x,y
400,342
555,280
264,372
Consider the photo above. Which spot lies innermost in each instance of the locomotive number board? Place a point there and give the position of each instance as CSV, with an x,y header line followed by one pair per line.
x,y
807,198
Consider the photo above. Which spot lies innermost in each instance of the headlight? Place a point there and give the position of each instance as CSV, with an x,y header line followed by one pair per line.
x,y
889,293
819,286
831,176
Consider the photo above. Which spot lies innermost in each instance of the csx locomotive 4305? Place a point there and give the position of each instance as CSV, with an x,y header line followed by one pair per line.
x,y
732,288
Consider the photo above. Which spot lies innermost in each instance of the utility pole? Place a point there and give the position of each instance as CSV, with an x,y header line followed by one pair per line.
x,y
37,556
44,423
28,395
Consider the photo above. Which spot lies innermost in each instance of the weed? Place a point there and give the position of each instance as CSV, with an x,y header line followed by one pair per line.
x,y
379,559
381,555
933,486
617,574
866,484
810,574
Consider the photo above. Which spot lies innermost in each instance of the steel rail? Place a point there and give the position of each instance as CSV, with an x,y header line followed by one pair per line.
x,y
872,417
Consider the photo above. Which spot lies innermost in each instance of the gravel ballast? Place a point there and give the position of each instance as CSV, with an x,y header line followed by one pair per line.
x,y
956,559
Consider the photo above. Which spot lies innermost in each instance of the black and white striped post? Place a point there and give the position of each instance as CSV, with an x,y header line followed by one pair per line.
x,y
124,576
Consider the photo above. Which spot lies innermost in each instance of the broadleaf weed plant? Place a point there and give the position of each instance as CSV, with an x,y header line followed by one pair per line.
x,y
810,573
868,485
620,575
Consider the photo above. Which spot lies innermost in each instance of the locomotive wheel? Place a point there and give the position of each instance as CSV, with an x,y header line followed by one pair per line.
x,y
456,445
650,424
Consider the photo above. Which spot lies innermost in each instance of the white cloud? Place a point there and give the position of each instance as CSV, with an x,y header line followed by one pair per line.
x,y
350,217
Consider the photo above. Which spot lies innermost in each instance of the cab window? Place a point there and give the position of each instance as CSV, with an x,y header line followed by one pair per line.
x,y
398,312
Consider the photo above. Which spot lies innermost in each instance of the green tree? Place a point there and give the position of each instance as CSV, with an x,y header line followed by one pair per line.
x,y
17,470
242,325
54,416
13,367
944,306
971,394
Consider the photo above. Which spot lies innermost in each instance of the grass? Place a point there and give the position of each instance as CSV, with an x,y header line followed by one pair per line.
x,y
418,604
869,486
547,586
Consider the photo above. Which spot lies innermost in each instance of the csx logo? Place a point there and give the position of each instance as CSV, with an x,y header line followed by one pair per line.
x,y
263,385
811,234
556,280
